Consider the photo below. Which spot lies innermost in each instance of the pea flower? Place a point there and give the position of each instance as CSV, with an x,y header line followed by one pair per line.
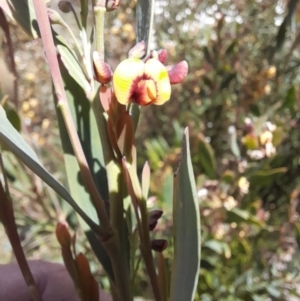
x,y
146,82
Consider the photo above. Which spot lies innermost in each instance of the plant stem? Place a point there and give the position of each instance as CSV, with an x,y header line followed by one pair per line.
x,y
145,245
8,220
99,12
45,30
117,253
122,283
116,249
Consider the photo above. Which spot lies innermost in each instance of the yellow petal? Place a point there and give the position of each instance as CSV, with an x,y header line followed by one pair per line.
x,y
125,78
158,72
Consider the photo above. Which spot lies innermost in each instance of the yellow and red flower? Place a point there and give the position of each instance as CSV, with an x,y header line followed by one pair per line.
x,y
147,82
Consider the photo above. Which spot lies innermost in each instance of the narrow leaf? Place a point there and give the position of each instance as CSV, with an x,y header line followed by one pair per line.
x,y
186,229
72,65
207,158
290,99
146,180
12,140
23,13
265,177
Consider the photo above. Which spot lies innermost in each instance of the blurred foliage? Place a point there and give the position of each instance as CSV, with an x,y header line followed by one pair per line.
x,y
241,102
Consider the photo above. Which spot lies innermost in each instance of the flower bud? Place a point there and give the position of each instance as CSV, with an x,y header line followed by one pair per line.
x,y
159,245
63,235
102,70
65,6
54,17
138,51
154,216
112,5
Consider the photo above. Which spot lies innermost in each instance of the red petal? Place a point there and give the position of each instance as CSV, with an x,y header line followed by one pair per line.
x,y
178,72
162,55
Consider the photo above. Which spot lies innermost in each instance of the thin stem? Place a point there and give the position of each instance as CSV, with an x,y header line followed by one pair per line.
x,y
122,283
99,13
136,268
117,253
150,26
83,12
45,29
8,219
75,17
113,168
145,245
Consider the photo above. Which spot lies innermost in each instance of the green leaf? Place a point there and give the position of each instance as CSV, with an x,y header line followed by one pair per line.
x,y
12,140
233,141
186,229
273,291
207,158
12,116
167,192
266,177
290,99
214,245
89,137
237,215
71,63
23,13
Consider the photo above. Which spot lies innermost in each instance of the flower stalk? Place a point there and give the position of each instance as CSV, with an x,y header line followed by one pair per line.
x,y
115,247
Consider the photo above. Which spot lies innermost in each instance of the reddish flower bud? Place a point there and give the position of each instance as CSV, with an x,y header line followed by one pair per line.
x,y
102,70
159,245
154,216
63,236
178,72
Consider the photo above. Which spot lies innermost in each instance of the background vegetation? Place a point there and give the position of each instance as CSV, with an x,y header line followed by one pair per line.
x,y
241,103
